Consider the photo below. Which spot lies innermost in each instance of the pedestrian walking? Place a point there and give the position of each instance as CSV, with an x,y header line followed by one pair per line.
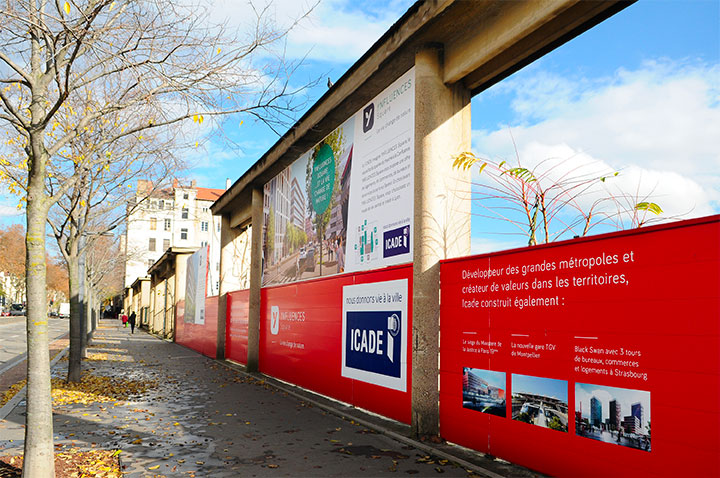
x,y
340,253
123,317
131,321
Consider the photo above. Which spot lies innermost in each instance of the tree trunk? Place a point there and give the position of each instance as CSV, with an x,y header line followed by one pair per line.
x,y
76,321
39,453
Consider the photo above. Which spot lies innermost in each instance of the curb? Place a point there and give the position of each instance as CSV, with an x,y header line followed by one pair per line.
x,y
13,402
292,390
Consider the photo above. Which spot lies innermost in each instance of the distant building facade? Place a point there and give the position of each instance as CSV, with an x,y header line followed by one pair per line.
x,y
615,419
595,412
178,216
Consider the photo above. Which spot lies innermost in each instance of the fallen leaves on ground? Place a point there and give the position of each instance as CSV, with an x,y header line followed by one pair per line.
x,y
108,357
97,388
11,392
72,463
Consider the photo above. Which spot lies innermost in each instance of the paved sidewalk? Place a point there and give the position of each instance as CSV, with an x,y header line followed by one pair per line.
x,y
207,419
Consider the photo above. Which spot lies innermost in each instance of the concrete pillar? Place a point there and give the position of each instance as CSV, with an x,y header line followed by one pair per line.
x,y
179,286
442,219
145,299
153,306
127,303
253,359
226,260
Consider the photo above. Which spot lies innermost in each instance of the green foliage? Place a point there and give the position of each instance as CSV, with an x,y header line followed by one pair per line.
x,y
556,424
522,174
294,237
524,417
650,207
336,141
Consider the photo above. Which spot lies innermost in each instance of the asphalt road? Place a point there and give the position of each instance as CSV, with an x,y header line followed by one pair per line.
x,y
13,338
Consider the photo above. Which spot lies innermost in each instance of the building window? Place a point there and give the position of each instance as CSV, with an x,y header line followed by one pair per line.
x,y
153,224
151,245
204,226
203,243
217,266
183,234
150,263
161,204
166,244
218,226
184,213
167,224
186,196
205,209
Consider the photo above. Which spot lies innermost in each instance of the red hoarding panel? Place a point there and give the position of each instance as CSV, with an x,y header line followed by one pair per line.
x,y
594,357
236,331
301,338
199,337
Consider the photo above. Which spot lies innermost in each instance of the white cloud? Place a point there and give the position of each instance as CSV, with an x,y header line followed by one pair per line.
x,y
10,211
657,126
334,30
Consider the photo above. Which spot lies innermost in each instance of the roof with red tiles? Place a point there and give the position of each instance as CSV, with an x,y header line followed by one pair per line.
x,y
208,194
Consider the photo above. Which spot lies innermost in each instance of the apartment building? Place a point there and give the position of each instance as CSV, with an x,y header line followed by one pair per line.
x,y
178,216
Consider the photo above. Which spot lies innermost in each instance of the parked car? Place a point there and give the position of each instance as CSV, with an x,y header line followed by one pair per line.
x,y
17,309
64,310
310,260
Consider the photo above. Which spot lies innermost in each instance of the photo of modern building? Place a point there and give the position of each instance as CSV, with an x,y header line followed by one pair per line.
x,y
484,391
297,242
540,401
620,416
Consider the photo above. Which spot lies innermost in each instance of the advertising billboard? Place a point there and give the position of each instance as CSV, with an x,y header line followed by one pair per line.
x,y
347,204
374,333
593,357
349,342
195,287
236,326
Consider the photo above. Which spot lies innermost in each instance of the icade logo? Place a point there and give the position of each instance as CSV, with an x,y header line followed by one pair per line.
x,y
373,341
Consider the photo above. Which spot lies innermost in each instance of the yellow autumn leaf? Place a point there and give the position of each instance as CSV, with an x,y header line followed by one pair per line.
x,y
219,50
66,6
112,5
154,467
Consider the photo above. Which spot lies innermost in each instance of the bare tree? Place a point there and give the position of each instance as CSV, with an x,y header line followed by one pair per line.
x,y
65,68
96,205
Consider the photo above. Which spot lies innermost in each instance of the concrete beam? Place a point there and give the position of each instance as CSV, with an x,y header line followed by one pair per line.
x,y
509,35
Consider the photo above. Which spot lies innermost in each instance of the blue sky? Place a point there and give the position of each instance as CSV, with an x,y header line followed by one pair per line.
x,y
494,379
547,387
637,94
